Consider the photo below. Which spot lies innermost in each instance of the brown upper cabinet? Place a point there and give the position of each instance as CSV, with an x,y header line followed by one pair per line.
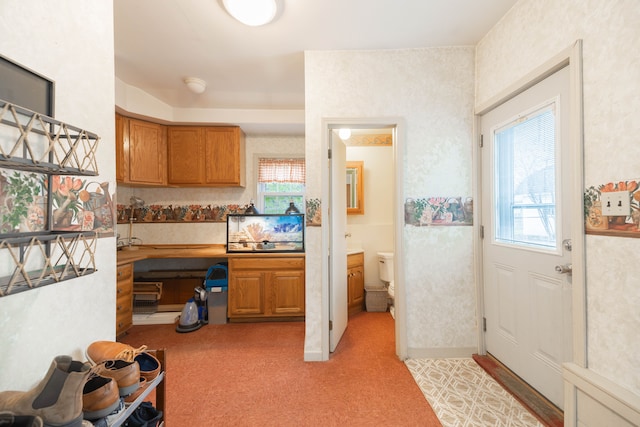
x,y
206,156
181,156
141,152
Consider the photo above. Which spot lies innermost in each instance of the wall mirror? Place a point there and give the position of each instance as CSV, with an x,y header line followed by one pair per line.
x,y
355,188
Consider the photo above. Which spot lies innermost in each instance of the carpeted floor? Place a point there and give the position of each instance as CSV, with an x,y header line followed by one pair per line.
x,y
254,375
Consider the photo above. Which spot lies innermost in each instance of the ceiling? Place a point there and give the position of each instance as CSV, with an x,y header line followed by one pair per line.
x,y
160,42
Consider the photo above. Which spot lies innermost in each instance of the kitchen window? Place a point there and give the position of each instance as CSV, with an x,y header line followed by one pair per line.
x,y
280,181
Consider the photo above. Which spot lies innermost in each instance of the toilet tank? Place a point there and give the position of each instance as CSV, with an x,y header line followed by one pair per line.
x,y
385,266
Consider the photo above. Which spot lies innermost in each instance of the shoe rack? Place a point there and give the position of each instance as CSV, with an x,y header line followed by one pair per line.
x,y
158,384
33,142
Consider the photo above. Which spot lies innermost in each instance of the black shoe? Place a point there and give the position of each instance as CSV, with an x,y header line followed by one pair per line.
x,y
145,415
7,419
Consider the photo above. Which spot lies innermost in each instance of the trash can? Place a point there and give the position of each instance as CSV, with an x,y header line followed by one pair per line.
x,y
216,283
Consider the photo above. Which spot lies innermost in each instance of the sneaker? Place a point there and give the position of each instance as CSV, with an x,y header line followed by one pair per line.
x,y
144,415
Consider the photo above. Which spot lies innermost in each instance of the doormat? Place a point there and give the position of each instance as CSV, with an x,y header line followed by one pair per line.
x,y
462,394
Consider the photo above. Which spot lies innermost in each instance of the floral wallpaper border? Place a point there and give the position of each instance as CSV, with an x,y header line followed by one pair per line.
x,y
159,214
619,226
439,211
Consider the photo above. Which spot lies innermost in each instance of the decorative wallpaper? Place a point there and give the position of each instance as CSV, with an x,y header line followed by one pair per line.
x,y
621,226
194,213
431,92
438,211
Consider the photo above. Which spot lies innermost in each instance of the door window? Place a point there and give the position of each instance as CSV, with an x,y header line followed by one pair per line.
x,y
525,180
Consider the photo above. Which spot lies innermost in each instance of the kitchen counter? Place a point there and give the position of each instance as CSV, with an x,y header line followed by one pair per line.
x,y
191,251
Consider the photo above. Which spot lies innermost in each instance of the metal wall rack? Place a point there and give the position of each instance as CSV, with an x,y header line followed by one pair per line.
x,y
33,142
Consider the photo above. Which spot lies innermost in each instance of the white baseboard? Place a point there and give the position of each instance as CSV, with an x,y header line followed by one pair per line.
x,y
594,401
313,356
441,353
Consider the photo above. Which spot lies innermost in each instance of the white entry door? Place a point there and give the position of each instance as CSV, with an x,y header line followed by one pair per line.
x,y
526,246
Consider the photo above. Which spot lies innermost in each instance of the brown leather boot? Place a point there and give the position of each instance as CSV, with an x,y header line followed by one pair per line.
x,y
57,399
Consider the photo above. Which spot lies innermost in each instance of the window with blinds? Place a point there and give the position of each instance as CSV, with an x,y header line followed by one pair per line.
x,y
525,180
280,181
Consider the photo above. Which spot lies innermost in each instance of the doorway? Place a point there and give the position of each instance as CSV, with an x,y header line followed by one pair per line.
x,y
531,220
355,234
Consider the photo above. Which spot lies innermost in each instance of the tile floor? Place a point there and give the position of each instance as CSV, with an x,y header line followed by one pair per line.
x,y
462,394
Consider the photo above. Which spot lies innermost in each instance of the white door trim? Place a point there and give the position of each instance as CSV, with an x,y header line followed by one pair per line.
x,y
571,57
398,157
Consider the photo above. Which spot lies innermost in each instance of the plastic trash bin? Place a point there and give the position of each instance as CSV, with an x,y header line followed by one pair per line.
x,y
216,283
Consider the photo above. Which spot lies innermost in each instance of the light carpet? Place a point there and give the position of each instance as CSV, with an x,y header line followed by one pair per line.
x,y
462,394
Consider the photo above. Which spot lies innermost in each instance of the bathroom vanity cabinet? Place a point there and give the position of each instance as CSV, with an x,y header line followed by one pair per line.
x,y
355,282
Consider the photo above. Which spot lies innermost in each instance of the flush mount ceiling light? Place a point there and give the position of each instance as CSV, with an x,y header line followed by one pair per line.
x,y
344,134
195,84
252,12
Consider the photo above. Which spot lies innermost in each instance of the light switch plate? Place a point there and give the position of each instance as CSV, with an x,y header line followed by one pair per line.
x,y
616,203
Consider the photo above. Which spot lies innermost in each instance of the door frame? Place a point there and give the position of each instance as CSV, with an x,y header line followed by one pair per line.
x,y
398,126
570,57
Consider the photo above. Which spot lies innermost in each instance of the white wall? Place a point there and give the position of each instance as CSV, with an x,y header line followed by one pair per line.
x,y
70,42
374,231
211,232
432,90
532,32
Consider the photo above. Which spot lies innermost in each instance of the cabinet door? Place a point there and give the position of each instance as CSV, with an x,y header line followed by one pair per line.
x,y
122,147
185,155
355,282
224,156
247,294
124,298
287,293
147,153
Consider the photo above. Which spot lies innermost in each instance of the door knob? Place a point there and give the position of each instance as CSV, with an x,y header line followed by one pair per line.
x,y
566,268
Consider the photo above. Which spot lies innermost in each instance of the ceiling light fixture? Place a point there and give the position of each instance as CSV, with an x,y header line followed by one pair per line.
x,y
195,84
344,134
252,12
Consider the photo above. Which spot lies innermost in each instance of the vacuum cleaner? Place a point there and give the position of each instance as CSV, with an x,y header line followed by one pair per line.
x,y
194,314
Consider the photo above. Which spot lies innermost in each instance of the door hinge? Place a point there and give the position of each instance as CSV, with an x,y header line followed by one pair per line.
x,y
329,152
484,324
331,325
481,140
482,231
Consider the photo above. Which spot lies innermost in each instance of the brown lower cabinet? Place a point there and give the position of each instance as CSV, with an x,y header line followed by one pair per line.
x,y
355,283
124,298
266,288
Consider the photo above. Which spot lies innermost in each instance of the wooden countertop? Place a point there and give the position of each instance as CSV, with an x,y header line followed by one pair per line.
x,y
190,251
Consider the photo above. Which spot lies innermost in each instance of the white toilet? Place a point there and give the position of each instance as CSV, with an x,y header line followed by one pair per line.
x,y
385,269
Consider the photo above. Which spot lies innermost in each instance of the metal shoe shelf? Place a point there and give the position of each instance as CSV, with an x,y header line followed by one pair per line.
x,y
33,142
158,384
